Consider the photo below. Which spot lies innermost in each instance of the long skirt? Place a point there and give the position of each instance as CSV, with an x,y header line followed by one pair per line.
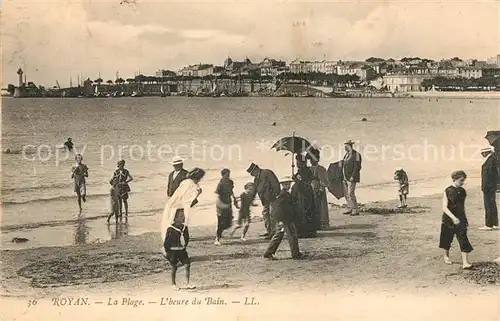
x,y
305,219
321,209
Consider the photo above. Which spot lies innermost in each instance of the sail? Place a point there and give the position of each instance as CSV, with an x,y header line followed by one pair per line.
x,y
161,89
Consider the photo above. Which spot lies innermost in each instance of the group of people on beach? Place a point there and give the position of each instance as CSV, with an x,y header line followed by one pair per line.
x,y
119,187
296,205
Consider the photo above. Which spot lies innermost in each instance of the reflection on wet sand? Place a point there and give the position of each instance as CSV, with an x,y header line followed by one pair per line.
x,y
120,230
81,231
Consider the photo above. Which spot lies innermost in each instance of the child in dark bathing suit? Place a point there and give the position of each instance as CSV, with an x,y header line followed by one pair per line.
x,y
454,221
176,241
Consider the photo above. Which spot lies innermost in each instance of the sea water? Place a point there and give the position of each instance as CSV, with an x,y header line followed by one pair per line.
x,y
428,137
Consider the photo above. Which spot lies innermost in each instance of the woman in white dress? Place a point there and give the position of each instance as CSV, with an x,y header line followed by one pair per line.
x,y
185,197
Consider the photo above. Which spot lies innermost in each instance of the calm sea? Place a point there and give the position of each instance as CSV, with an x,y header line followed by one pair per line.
x,y
429,138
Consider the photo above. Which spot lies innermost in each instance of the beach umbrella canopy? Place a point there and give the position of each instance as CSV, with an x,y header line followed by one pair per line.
x,y
493,137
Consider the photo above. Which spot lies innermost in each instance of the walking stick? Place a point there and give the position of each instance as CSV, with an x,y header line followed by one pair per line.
x,y
293,152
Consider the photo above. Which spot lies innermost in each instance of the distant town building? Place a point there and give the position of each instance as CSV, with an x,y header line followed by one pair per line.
x,y
470,72
363,72
298,66
165,73
405,82
271,67
205,70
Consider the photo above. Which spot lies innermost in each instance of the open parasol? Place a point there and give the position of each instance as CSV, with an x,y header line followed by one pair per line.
x,y
493,137
293,144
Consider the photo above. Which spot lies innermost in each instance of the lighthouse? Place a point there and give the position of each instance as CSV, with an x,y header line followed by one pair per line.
x,y
20,85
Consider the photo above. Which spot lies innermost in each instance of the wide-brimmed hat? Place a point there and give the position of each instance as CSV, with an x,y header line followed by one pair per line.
x,y
349,142
177,160
252,167
286,179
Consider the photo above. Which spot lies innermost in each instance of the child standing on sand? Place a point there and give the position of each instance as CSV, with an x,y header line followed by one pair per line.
x,y
175,244
404,187
246,200
454,221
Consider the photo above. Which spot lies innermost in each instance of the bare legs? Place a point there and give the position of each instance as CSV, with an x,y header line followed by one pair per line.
x,y
188,275
465,262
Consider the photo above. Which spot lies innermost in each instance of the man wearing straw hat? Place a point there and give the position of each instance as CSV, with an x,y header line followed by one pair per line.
x,y
489,181
282,216
176,177
351,167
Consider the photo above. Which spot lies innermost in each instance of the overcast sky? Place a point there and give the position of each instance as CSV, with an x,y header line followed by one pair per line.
x,y
55,40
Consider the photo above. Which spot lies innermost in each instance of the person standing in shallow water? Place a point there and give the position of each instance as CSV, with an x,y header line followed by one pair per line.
x,y
79,174
224,205
68,145
121,178
454,221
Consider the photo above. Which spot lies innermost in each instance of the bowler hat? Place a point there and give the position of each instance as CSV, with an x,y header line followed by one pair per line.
x,y
349,142
252,167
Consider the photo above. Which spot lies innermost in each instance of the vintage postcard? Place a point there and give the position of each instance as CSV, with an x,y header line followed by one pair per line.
x,y
247,160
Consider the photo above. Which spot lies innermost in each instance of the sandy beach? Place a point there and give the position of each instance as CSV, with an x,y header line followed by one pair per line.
x,y
456,94
386,263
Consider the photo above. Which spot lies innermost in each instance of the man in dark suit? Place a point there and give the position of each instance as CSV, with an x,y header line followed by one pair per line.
x,y
267,187
282,216
175,178
351,167
489,181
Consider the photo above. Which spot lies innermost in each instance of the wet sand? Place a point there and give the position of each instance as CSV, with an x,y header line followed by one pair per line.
x,y
382,265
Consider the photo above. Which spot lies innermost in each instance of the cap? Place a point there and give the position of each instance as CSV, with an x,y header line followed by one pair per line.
x,y
252,167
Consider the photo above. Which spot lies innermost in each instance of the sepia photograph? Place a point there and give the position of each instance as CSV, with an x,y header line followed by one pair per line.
x,y
250,160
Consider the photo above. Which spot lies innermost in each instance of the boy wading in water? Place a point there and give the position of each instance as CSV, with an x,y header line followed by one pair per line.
x,y
246,200
454,221
175,244
78,174
404,187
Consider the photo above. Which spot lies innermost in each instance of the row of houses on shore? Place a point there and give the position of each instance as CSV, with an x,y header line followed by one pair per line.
x,y
398,75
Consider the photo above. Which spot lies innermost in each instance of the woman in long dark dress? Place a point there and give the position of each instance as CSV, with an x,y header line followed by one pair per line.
x,y
454,221
320,184
303,197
